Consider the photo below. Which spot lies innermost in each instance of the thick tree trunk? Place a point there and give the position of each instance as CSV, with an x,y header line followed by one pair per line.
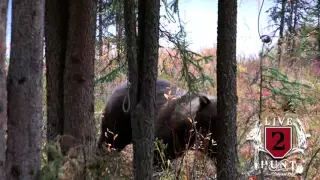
x,y
143,64
144,114
227,90
56,31
3,85
25,90
79,73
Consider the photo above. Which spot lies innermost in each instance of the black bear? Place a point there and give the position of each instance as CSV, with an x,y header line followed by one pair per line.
x,y
173,119
116,122
175,128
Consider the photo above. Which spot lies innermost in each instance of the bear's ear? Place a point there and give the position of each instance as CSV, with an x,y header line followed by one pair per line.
x,y
204,101
195,105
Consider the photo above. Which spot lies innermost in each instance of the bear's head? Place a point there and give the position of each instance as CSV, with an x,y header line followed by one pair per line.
x,y
175,121
206,122
206,114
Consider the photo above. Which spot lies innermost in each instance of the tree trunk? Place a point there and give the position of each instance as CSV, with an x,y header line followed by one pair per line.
x,y
290,25
227,90
281,29
118,19
294,28
143,75
131,55
56,29
100,30
79,73
3,85
290,29
25,76
143,117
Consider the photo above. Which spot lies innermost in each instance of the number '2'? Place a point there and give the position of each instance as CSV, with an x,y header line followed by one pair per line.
x,y
280,140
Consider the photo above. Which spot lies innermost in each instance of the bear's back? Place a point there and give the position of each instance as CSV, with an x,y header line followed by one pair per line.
x,y
118,95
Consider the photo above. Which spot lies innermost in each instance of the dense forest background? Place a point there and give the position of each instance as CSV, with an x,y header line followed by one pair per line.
x,y
290,85
291,71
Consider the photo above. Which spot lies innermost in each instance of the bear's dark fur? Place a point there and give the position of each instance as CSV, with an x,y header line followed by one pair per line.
x,y
173,119
116,121
207,118
174,123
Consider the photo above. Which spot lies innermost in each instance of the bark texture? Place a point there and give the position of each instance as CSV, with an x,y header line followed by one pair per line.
x,y
3,85
143,75
142,58
56,31
131,42
100,30
25,90
79,73
227,90
119,28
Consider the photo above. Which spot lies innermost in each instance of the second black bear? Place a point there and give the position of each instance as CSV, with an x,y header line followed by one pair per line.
x,y
175,128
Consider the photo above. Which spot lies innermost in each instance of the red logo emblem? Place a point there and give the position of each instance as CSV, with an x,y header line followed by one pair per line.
x,y
278,140
252,178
